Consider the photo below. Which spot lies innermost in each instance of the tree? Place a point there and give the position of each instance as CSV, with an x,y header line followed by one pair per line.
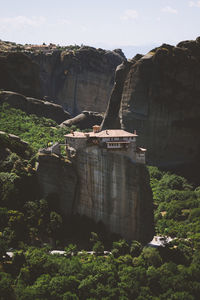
x,y
151,257
120,248
135,248
6,283
3,248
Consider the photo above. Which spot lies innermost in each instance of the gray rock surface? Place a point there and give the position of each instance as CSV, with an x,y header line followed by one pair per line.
x,y
34,106
161,100
104,186
78,80
19,74
85,120
56,176
115,190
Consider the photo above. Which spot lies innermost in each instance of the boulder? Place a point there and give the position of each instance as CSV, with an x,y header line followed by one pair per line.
x,y
40,108
85,120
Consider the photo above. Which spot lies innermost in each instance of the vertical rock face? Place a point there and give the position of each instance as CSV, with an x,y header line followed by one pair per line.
x,y
115,190
161,100
79,80
57,177
104,186
19,74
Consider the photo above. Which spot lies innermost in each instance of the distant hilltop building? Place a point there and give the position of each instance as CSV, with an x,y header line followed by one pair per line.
x,y
110,139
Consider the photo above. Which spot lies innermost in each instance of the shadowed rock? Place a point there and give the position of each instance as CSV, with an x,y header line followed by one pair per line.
x,y
34,106
161,100
19,74
85,120
79,80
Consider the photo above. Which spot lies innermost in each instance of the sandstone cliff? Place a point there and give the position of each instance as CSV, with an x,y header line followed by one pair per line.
x,y
34,106
115,190
19,74
55,176
160,98
104,186
78,80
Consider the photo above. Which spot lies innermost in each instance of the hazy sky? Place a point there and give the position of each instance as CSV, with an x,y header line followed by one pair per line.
x,y
101,23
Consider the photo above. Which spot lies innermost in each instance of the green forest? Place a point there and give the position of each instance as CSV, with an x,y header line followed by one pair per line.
x,y
31,226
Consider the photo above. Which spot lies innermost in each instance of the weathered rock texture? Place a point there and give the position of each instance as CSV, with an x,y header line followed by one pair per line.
x,y
85,120
58,177
34,106
78,80
115,190
106,186
161,100
19,74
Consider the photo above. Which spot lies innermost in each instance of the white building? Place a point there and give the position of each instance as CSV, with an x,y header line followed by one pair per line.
x,y
110,139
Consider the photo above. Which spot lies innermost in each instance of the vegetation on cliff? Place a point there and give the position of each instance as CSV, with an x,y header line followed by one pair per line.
x,y
177,205
131,271
37,131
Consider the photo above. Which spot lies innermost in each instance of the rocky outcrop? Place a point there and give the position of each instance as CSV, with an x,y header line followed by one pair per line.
x,y
34,106
80,79
19,74
77,78
104,186
15,144
161,100
85,120
115,190
56,176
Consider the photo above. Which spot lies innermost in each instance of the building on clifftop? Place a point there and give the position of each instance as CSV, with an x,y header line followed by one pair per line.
x,y
110,139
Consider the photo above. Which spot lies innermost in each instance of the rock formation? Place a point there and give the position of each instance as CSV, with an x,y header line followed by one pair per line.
x,y
58,177
80,79
104,186
115,190
34,106
85,120
15,144
160,98
19,74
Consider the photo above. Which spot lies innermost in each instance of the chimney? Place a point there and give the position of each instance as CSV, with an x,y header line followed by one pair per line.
x,y
134,132
96,128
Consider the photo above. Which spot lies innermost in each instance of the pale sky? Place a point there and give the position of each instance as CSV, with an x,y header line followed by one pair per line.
x,y
100,23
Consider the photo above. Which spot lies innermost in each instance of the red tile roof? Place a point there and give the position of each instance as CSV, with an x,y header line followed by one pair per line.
x,y
102,134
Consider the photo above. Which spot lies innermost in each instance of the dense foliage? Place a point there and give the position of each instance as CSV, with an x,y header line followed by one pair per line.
x,y
37,131
129,271
177,205
143,274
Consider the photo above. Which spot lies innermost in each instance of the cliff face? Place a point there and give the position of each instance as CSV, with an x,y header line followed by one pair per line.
x,y
34,106
104,186
78,80
19,74
161,100
116,191
57,177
